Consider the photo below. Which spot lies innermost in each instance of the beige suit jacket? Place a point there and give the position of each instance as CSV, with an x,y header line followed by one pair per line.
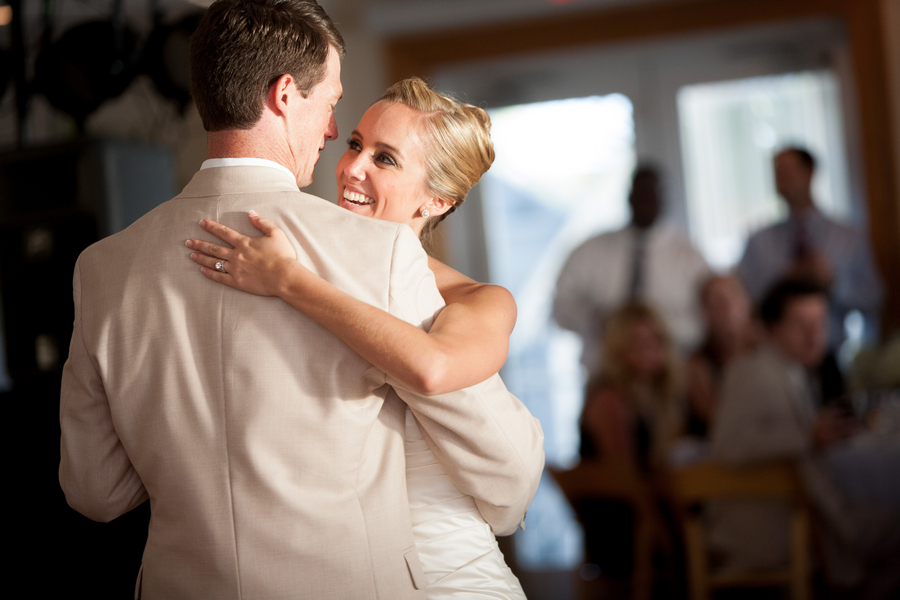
x,y
271,453
765,413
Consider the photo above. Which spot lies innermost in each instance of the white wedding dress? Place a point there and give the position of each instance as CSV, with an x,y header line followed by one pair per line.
x,y
456,547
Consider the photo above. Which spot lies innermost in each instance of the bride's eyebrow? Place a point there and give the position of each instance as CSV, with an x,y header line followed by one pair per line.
x,y
389,148
356,134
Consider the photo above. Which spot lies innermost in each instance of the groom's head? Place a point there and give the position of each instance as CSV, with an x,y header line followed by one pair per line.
x,y
242,47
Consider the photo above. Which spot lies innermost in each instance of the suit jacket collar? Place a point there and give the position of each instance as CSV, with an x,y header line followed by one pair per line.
x,y
221,181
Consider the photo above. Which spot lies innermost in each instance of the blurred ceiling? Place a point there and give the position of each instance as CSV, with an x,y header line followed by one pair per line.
x,y
385,17
406,16
96,47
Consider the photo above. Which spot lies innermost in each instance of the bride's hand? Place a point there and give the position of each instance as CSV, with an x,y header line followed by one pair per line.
x,y
258,265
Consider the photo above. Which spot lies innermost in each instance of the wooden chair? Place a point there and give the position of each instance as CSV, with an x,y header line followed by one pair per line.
x,y
592,480
706,481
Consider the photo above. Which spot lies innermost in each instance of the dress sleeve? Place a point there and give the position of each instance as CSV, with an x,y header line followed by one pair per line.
x,y
95,473
486,440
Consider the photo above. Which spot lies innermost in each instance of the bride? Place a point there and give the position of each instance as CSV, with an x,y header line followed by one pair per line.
x,y
412,159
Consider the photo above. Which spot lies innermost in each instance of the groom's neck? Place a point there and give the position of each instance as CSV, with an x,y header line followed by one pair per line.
x,y
237,143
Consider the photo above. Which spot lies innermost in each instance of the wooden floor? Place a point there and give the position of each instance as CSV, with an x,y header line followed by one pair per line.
x,y
549,585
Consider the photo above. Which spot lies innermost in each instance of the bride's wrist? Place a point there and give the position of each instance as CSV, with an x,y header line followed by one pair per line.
x,y
295,280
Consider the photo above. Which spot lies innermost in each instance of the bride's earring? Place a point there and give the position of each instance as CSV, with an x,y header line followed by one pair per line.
x,y
425,213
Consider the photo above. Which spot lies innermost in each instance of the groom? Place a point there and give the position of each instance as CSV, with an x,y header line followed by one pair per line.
x,y
272,455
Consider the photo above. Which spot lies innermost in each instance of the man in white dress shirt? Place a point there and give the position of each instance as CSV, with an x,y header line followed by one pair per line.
x,y
646,261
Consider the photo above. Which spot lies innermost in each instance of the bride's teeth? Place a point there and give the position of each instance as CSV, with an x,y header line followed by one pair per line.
x,y
357,198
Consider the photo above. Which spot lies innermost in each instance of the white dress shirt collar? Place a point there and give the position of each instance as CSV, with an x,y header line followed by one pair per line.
x,y
212,163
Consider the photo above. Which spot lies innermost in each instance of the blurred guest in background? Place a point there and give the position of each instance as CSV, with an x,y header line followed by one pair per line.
x,y
810,245
631,415
769,411
729,332
645,261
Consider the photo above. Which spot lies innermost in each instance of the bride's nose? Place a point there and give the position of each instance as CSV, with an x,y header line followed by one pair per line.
x,y
356,168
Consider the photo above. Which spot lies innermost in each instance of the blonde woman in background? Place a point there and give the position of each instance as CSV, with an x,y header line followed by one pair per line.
x,y
632,409
412,159
632,414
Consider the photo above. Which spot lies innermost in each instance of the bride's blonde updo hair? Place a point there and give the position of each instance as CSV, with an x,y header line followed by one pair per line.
x,y
457,138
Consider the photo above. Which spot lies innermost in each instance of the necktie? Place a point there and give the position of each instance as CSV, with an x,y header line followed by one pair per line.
x,y
800,236
637,266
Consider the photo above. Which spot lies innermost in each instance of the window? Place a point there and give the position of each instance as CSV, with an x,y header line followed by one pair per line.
x,y
729,132
561,174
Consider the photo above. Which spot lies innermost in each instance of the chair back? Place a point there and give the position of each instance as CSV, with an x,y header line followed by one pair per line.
x,y
619,480
601,479
705,481
708,480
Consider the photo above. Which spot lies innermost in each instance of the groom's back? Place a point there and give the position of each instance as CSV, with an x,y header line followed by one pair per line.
x,y
274,468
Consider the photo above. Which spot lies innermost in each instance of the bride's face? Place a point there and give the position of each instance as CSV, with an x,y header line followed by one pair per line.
x,y
382,174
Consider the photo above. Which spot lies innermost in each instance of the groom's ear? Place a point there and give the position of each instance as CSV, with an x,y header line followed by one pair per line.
x,y
280,93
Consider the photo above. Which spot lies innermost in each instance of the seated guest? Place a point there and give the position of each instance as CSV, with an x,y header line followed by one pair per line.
x,y
630,416
729,332
768,411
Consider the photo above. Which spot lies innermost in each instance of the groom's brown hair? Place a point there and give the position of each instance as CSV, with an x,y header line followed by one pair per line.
x,y
241,47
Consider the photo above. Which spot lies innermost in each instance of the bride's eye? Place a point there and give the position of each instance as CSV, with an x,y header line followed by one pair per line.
x,y
353,144
386,159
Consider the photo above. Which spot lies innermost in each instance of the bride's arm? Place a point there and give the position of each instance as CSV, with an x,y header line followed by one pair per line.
x,y
467,343
477,321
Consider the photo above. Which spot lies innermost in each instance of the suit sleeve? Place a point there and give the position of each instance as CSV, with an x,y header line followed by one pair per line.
x,y
488,443
754,421
95,473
